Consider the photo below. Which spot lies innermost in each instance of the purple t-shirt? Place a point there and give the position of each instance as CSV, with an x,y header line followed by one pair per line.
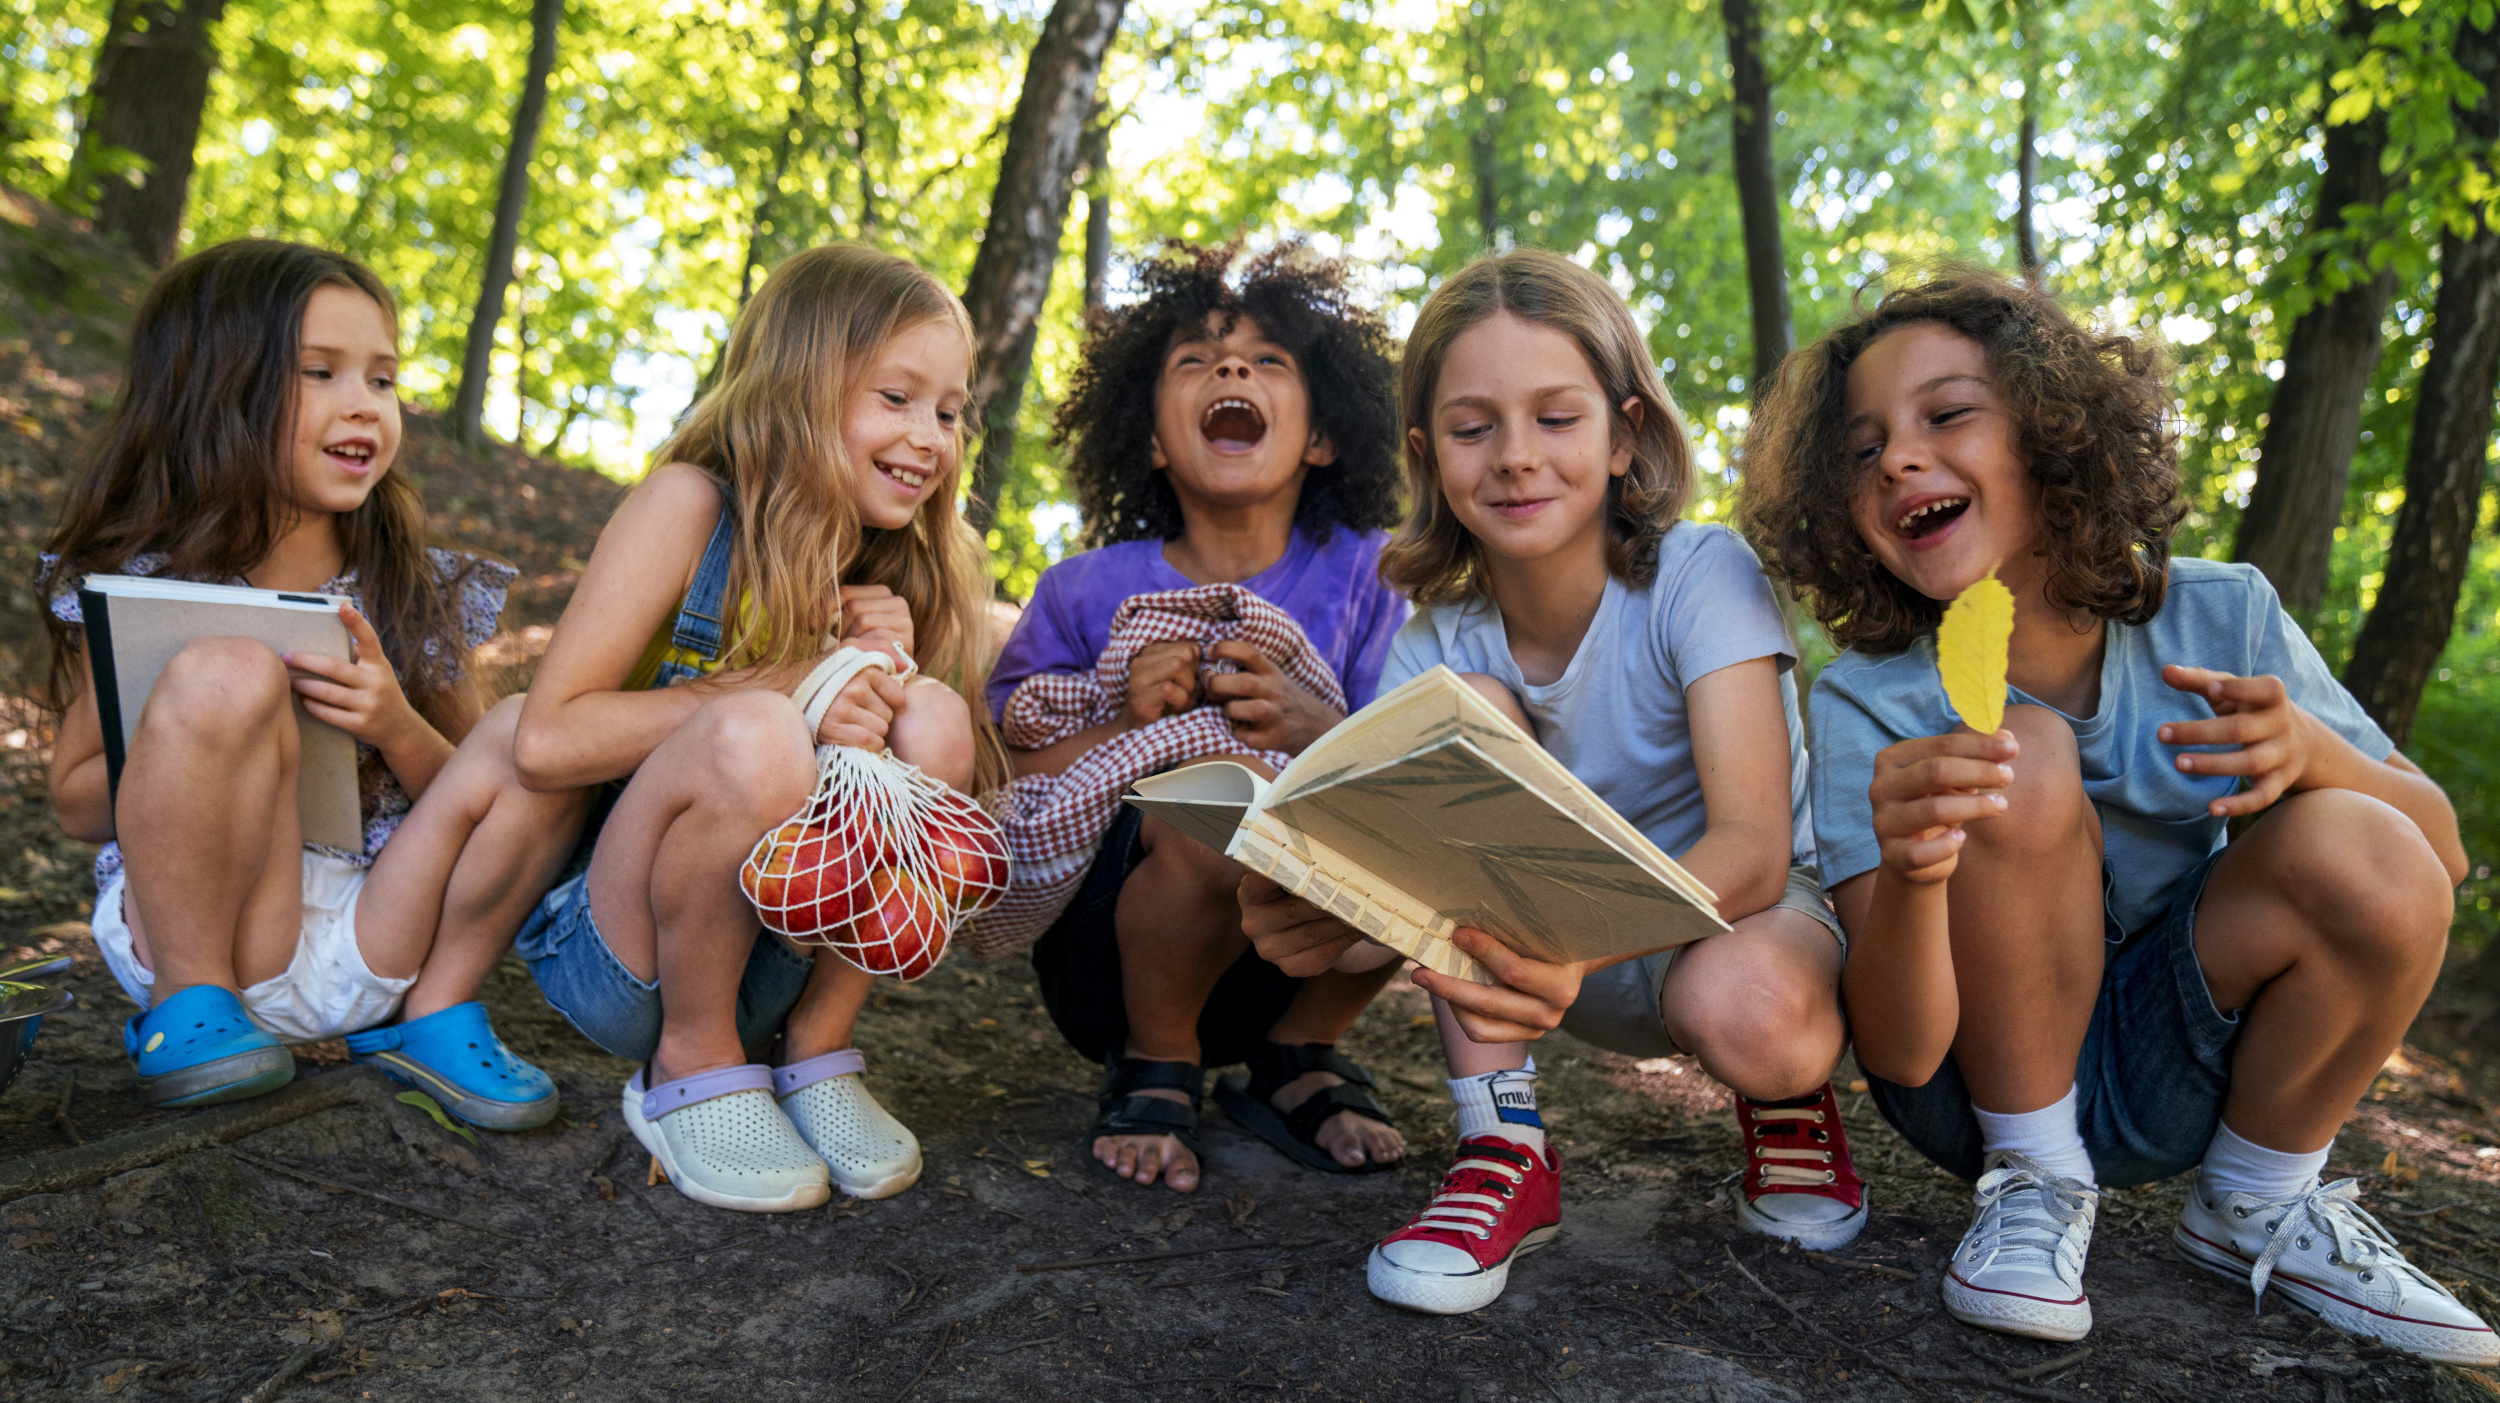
x,y
1332,589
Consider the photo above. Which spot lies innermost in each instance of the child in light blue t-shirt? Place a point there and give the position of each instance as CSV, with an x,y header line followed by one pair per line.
x,y
1647,654
2063,972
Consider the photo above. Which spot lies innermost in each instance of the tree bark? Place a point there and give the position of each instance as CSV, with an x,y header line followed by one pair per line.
x,y
2027,160
468,407
2409,626
2314,423
1028,212
150,86
1757,190
1095,158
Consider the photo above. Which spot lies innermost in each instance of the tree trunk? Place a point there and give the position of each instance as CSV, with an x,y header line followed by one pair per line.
x,y
468,406
1757,191
859,129
150,85
1028,211
2417,603
2027,160
1095,156
803,43
2314,422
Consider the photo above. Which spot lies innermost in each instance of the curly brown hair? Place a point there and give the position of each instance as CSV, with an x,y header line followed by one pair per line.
x,y
1435,560
1303,303
2092,421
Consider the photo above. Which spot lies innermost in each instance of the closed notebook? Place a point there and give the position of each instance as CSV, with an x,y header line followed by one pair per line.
x,y
135,625
1428,810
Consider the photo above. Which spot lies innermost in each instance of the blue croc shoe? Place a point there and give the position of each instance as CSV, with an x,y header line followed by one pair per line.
x,y
198,1047
454,1056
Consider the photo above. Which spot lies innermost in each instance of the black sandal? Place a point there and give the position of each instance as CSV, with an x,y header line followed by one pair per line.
x,y
1124,1112
1295,1133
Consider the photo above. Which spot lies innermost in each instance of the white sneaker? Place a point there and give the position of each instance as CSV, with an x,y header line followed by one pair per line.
x,y
2020,1267
722,1141
2328,1257
871,1154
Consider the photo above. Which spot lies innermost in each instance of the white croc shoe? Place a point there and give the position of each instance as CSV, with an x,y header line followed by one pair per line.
x,y
2020,1267
2322,1253
872,1154
721,1140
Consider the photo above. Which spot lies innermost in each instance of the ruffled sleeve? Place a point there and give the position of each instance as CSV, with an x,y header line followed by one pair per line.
x,y
482,587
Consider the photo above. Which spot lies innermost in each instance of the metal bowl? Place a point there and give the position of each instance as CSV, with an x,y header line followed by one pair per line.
x,y
22,1007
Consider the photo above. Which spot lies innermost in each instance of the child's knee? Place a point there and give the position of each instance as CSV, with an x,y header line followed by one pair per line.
x,y
2369,880
755,751
219,684
2046,810
933,729
1499,697
1751,1021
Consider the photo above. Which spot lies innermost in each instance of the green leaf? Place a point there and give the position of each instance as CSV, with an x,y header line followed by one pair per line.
x,y
435,1109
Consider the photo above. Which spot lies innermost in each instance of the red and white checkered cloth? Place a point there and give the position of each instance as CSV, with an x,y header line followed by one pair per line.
x,y
1055,822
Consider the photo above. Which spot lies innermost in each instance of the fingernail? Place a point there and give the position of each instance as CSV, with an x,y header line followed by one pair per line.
x,y
1998,799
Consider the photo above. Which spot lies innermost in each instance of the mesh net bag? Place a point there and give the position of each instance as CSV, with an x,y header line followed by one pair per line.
x,y
883,863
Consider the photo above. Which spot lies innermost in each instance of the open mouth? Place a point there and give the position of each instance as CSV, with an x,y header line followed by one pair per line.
x,y
1233,425
355,454
911,479
1928,518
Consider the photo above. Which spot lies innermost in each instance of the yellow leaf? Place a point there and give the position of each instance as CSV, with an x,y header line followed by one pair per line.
x,y
1970,653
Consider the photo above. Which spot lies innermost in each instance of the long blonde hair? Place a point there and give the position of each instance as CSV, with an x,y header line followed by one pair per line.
x,y
771,432
1435,559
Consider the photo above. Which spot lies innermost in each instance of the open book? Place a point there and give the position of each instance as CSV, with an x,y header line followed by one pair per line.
x,y
136,624
1428,810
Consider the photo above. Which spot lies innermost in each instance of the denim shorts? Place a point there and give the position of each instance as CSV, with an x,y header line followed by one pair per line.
x,y
2155,1066
577,972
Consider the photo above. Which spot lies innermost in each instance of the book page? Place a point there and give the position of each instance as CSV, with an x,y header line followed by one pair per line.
x,y
1326,880
1490,852
1207,800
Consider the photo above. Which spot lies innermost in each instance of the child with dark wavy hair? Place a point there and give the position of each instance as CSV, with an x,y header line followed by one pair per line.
x,y
1232,441
2063,971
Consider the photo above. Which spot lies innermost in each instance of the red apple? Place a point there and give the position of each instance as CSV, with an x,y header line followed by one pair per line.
x,y
971,864
903,930
812,883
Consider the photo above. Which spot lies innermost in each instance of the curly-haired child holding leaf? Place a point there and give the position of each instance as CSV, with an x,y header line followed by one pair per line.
x,y
2063,972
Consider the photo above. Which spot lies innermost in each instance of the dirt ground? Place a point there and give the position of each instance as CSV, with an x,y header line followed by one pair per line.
x,y
364,1252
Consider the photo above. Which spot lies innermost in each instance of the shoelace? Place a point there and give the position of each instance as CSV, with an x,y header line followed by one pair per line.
x,y
1457,1207
2362,1243
2007,1225
1796,1123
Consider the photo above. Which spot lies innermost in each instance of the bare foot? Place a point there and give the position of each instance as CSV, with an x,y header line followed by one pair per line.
x,y
1145,1157
1352,1140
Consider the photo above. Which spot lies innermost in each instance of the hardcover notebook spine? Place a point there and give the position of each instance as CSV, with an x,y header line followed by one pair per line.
x,y
95,611
1342,896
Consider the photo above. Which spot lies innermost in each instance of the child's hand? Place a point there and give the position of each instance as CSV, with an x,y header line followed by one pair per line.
x,y
1162,681
1290,933
1268,709
1527,1003
874,617
362,697
1925,789
862,711
2277,740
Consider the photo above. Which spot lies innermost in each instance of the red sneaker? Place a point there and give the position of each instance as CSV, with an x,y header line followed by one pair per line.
x,y
1799,1183
1499,1201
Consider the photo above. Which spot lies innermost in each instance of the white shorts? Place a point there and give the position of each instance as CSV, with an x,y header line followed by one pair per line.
x,y
326,990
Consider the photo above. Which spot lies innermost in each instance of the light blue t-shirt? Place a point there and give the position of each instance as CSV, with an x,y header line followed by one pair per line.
x,y
2154,824
1616,718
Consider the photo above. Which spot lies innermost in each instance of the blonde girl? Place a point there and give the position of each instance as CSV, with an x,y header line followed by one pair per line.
x,y
807,501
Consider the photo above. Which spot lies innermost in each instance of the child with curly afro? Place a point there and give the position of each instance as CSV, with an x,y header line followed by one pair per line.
x,y
1234,426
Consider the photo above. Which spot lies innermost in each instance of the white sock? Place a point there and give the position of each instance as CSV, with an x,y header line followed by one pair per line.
x,y
2233,1165
2048,1137
1500,1103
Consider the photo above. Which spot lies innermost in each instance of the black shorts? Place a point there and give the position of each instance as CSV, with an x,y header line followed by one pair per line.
x,y
1078,962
